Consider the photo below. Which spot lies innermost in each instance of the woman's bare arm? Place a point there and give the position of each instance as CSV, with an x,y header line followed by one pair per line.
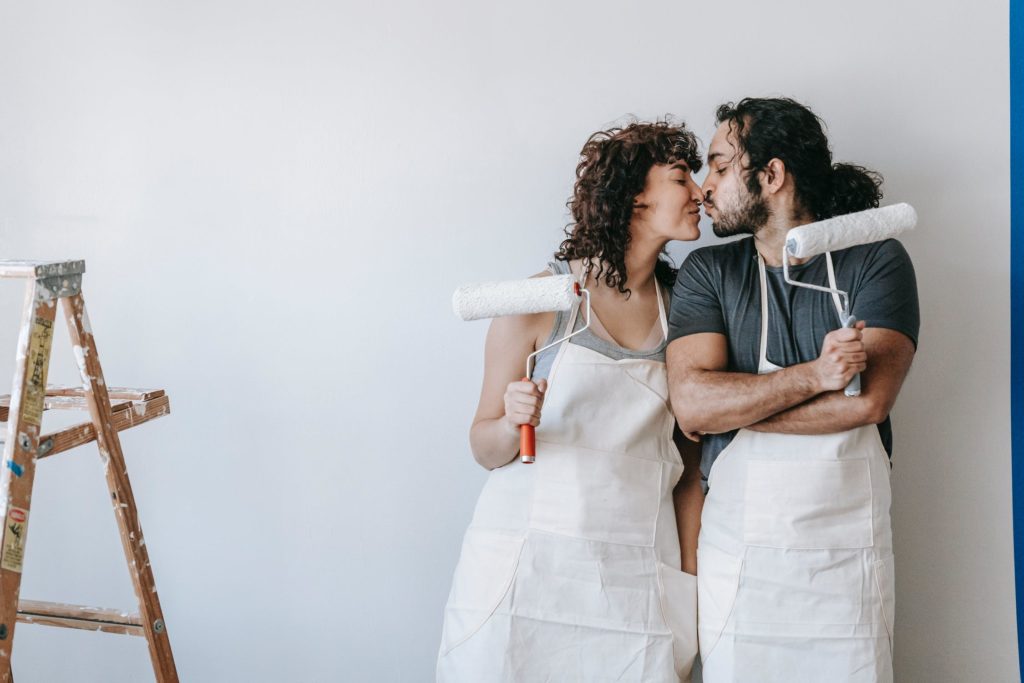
x,y
506,402
688,497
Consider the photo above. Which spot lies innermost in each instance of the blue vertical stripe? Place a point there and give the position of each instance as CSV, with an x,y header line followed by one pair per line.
x,y
1017,301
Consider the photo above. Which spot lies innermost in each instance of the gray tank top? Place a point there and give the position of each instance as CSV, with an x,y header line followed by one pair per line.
x,y
586,338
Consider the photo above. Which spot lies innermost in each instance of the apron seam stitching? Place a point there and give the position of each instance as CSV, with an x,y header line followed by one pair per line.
x,y
501,598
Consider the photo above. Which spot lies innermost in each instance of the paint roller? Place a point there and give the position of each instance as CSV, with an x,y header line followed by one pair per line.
x,y
843,232
522,297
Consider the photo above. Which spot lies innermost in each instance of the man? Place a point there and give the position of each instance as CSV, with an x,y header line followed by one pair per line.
x,y
795,568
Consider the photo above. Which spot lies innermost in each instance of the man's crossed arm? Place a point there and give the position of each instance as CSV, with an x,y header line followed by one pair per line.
x,y
806,398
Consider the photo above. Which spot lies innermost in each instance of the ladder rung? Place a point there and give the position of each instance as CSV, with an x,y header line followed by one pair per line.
x,y
72,437
78,616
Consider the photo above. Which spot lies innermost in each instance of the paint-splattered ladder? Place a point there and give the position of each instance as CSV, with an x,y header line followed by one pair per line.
x,y
111,410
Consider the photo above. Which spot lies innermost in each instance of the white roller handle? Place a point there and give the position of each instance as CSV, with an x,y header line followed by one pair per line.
x,y
853,388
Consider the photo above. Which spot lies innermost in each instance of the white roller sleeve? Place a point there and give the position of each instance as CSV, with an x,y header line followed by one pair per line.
x,y
515,297
842,232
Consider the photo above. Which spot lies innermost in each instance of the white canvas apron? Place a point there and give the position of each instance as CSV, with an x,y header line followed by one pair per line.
x,y
795,560
570,568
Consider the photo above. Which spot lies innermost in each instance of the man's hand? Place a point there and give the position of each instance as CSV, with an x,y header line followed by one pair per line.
x,y
842,356
890,354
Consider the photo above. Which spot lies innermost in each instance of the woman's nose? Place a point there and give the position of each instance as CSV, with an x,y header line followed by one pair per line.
x,y
698,193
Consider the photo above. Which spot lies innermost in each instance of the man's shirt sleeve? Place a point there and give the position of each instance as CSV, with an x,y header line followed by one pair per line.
x,y
696,301
886,295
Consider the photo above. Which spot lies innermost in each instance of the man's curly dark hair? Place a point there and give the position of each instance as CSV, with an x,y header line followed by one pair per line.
x,y
611,173
784,129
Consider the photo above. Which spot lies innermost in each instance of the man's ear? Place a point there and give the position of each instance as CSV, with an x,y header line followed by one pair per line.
x,y
773,176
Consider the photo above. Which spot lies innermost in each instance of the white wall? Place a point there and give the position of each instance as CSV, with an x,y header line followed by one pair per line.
x,y
275,202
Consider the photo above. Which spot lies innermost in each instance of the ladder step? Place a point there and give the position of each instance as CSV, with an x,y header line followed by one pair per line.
x,y
62,403
130,414
114,392
79,616
72,437
61,397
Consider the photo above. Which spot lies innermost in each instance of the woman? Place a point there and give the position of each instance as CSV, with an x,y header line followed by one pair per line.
x,y
579,567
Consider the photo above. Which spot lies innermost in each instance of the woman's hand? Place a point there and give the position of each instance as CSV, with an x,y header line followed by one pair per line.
x,y
523,403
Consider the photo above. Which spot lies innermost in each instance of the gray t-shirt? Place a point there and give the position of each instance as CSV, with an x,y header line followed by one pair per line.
x,y
717,291
544,360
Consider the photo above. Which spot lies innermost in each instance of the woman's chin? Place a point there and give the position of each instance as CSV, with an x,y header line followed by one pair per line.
x,y
687,234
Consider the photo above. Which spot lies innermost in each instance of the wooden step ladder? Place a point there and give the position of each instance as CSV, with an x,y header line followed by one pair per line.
x,y
111,410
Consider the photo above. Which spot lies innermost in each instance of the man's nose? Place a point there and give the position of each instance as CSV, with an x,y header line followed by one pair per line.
x,y
707,187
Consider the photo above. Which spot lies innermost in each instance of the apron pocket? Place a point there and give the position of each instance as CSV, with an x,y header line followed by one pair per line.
x,y
679,608
885,582
483,577
718,581
808,504
597,496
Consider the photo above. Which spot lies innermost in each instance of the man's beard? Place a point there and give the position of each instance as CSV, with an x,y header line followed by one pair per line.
x,y
747,219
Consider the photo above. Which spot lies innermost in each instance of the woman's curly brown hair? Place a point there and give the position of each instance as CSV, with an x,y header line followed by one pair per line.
x,y
611,173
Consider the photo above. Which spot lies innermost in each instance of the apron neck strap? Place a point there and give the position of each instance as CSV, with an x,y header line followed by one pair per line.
x,y
832,284
762,353
661,309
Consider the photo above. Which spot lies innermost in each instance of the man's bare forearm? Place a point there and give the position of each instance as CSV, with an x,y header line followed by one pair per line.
x,y
713,401
826,413
891,354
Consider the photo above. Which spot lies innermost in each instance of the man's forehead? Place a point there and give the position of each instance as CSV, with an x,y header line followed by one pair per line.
x,y
722,143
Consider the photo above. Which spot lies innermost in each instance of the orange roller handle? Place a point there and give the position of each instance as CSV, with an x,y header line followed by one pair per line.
x,y
527,444
527,441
